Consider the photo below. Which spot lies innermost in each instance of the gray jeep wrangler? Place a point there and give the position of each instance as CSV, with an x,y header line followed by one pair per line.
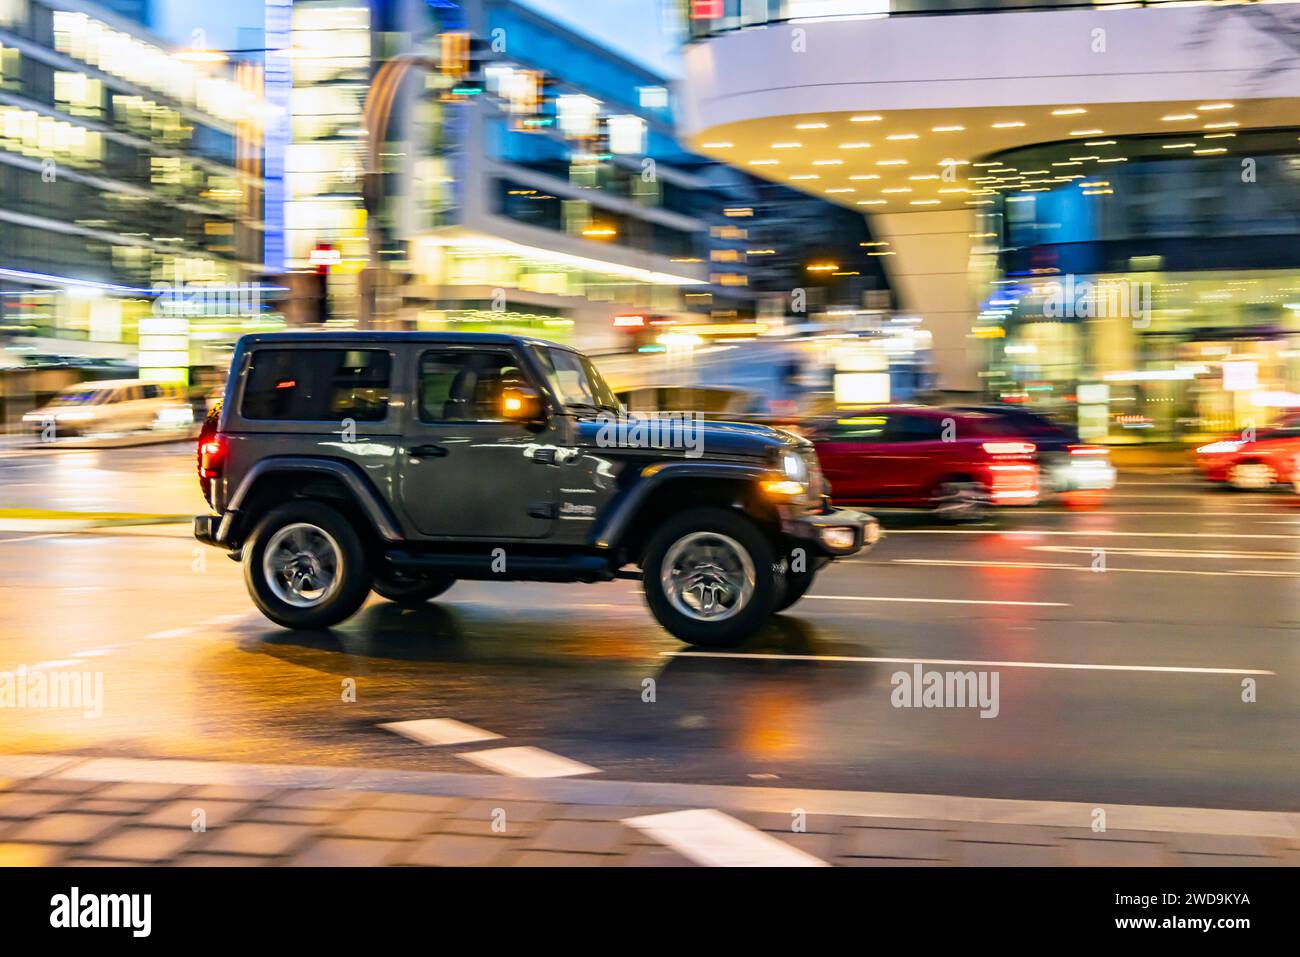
x,y
400,462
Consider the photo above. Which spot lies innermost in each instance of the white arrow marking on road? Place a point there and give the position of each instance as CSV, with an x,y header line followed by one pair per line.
x,y
1052,665
939,601
715,839
439,731
527,762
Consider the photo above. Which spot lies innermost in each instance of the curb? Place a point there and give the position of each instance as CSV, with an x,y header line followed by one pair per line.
x,y
865,804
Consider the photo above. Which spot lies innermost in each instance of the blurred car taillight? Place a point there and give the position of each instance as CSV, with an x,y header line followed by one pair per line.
x,y
212,455
1014,474
1010,448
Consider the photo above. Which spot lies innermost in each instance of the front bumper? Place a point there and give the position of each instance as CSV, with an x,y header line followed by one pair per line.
x,y
835,533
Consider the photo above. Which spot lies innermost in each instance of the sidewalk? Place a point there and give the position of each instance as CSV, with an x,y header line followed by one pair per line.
x,y
58,810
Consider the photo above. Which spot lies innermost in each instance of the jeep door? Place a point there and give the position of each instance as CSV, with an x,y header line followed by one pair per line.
x,y
465,471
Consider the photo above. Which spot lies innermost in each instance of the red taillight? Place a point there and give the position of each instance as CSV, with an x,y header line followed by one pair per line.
x,y
212,455
1088,450
1010,448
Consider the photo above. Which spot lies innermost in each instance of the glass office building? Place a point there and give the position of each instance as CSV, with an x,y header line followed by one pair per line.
x,y
531,178
121,168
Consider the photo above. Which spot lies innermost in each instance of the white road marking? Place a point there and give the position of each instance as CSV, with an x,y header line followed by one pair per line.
x,y
527,762
61,663
1169,552
170,633
714,839
939,601
1035,532
1109,569
31,538
439,731
95,652
228,619
1046,665
1190,513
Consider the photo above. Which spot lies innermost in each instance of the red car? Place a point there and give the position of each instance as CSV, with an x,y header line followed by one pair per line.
x,y
1268,458
919,457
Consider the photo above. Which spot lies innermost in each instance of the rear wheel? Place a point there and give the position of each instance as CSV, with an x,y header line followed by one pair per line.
x,y
708,577
961,500
305,566
409,588
1249,476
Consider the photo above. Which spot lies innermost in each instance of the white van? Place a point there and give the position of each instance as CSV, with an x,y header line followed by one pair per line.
x,y
116,405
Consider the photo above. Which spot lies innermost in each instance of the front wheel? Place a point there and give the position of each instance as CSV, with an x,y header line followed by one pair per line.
x,y
410,589
791,587
305,566
708,577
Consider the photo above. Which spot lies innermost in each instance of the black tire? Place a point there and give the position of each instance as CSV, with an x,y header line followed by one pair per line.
x,y
960,500
791,587
409,589
351,576
750,611
1265,478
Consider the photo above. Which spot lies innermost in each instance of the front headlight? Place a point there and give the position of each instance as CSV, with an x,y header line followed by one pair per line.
x,y
795,468
1215,448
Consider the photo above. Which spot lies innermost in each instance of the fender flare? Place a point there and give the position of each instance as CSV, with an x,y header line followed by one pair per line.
x,y
624,509
378,513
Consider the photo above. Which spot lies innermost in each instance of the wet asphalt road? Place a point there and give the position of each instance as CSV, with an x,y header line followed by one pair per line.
x,y
1150,611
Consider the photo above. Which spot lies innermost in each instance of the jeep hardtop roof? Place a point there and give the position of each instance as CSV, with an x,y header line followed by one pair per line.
x,y
396,336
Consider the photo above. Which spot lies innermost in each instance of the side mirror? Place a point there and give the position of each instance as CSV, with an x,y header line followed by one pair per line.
x,y
522,403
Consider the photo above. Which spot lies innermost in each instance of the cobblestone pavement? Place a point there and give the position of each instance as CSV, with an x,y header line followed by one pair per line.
x,y
50,816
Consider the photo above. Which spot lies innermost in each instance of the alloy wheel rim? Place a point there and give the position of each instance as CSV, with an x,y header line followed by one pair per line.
x,y
1252,475
301,564
708,576
956,498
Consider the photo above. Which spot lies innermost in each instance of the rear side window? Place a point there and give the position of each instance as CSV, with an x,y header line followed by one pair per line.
x,y
916,428
317,385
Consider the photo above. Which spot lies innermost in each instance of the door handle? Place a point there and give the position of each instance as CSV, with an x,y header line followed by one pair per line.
x,y
427,451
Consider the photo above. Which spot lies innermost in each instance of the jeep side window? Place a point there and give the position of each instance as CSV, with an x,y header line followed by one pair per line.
x,y
317,385
465,386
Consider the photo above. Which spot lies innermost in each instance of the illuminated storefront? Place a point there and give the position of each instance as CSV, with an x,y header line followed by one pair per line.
x,y
1154,282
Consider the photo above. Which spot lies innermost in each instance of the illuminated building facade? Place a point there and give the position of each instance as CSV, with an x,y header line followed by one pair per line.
x,y
1092,208
531,180
121,168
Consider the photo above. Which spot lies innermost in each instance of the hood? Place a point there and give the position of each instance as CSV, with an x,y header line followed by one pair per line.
x,y
686,436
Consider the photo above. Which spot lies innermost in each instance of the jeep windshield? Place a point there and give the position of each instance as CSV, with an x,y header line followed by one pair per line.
x,y
576,381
